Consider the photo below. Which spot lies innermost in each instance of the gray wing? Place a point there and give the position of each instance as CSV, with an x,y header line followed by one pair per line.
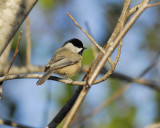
x,y
60,60
53,66
60,64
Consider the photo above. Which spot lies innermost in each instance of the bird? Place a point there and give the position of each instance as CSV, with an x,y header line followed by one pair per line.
x,y
66,61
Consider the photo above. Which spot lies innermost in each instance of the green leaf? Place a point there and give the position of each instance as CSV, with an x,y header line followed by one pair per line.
x,y
47,3
88,57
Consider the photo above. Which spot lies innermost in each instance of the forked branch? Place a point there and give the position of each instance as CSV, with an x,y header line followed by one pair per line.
x,y
99,66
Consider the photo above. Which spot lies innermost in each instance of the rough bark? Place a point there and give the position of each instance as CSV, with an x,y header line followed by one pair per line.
x,y
12,14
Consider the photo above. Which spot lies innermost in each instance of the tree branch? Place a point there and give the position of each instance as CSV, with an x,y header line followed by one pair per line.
x,y
12,14
117,94
148,83
13,124
99,66
89,37
155,125
152,5
28,39
117,40
100,55
15,54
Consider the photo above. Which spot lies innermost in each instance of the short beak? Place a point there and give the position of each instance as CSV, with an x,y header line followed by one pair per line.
x,y
84,48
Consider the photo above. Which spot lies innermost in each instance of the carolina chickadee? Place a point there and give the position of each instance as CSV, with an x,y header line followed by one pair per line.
x,y
66,60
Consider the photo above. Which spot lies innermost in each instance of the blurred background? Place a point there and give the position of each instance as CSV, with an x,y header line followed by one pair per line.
x,y
139,106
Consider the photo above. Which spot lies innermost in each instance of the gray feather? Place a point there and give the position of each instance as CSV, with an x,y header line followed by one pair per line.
x,y
44,77
63,63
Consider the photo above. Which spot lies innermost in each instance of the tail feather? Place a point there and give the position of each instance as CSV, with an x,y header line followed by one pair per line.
x,y
44,77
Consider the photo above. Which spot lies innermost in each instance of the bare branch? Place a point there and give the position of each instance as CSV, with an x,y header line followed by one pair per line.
x,y
28,40
1,90
75,107
92,40
120,24
65,109
155,125
118,28
148,83
98,66
93,47
13,124
19,76
115,43
15,54
135,8
90,37
118,93
152,5
114,40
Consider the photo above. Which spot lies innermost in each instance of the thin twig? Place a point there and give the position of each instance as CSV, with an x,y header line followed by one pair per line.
x,y
135,8
75,107
117,58
1,91
155,4
116,42
118,54
19,76
119,92
155,125
90,37
15,54
120,26
28,40
121,21
13,124
92,40
95,50
148,83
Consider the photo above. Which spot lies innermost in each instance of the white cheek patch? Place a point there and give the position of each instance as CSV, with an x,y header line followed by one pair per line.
x,y
78,50
73,48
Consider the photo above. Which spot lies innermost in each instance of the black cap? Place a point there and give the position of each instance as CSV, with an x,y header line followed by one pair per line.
x,y
75,42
